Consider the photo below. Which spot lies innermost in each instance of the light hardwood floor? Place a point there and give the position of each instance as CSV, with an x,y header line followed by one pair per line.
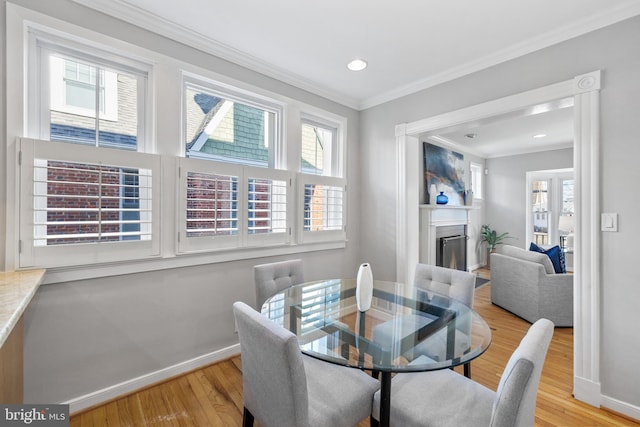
x,y
212,396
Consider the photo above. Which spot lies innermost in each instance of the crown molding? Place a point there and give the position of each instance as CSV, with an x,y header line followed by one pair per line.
x,y
134,15
611,16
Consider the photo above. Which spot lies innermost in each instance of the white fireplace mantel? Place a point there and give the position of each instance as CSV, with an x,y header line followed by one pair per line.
x,y
433,216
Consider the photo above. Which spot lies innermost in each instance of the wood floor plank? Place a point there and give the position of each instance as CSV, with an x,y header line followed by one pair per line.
x,y
202,395
212,395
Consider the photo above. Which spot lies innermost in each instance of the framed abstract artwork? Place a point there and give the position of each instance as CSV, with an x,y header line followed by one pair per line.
x,y
444,172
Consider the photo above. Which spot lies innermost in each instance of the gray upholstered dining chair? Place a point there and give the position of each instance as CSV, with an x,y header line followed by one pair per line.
x,y
456,284
445,398
273,277
284,388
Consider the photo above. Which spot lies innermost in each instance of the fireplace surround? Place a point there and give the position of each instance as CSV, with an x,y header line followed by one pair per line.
x,y
444,226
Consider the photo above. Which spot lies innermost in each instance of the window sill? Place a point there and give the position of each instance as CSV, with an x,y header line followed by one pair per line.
x,y
93,271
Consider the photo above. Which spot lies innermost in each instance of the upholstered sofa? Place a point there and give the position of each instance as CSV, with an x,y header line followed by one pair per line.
x,y
525,283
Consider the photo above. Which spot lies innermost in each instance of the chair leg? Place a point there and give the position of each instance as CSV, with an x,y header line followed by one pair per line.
x,y
247,418
467,369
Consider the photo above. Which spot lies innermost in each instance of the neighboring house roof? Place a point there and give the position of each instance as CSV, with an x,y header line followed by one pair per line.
x,y
81,135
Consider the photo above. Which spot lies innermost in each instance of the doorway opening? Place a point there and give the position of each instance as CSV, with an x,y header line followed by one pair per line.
x,y
585,91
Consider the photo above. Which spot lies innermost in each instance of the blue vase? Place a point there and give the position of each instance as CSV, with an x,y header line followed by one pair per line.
x,y
442,199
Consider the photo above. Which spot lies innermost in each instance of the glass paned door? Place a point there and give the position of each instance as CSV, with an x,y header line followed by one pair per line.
x,y
540,211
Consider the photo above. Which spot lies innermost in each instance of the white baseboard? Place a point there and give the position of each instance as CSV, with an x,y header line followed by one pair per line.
x,y
475,267
587,391
620,407
126,387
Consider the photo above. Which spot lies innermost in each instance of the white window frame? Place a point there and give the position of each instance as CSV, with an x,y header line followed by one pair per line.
x,y
334,156
39,83
328,160
31,254
477,180
274,131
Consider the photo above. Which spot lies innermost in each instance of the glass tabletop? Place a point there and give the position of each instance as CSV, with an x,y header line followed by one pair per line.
x,y
406,329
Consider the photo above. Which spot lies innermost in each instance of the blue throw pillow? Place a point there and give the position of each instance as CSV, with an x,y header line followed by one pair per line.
x,y
555,254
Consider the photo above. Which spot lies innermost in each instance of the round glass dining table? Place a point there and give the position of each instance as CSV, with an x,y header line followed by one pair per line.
x,y
406,329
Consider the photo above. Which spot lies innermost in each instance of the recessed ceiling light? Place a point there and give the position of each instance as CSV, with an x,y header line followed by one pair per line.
x,y
357,64
540,135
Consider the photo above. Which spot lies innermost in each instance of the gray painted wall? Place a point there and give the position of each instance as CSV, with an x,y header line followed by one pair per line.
x,y
84,336
506,186
613,50
90,334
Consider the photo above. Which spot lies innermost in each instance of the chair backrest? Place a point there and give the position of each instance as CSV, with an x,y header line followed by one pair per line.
x,y
515,403
456,284
273,277
274,384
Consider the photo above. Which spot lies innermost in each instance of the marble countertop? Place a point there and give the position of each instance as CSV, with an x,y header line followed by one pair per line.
x,y
17,288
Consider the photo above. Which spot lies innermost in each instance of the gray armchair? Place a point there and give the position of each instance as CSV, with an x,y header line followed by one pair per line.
x,y
447,399
283,388
526,284
273,277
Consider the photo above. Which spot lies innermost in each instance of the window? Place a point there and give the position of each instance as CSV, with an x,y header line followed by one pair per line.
x,y
540,211
84,98
322,190
550,198
317,146
476,180
92,190
227,206
322,206
233,188
225,127
567,196
88,203
77,86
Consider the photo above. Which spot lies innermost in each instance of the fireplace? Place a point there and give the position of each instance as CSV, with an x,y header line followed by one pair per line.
x,y
444,222
451,247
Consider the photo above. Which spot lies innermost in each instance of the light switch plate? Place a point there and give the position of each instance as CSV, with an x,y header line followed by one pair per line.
x,y
609,222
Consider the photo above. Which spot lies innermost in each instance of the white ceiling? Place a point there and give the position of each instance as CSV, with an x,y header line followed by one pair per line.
x,y
410,45
513,133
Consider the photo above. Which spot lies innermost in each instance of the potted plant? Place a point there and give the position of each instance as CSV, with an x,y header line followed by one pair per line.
x,y
493,239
